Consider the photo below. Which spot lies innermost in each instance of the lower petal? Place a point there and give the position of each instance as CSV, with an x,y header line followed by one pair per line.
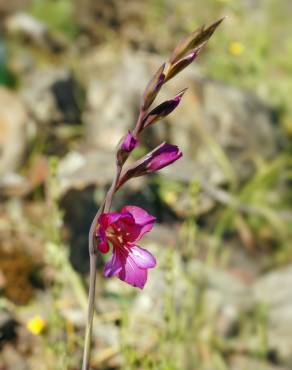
x,y
142,257
132,274
114,265
129,265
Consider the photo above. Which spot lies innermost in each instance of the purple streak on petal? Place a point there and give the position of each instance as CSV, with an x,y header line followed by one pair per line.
x,y
129,143
114,265
142,257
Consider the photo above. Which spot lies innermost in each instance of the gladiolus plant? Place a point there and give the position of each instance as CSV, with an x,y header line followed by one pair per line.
x,y
118,232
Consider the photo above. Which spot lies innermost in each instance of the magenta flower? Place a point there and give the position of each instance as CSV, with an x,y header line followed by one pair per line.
x,y
160,157
122,230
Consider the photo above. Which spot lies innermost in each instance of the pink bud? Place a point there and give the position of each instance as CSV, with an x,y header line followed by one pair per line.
x,y
127,144
160,157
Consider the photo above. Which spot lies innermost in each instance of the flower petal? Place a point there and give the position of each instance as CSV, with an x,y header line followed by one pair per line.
x,y
141,216
115,264
142,257
107,219
124,267
143,223
132,274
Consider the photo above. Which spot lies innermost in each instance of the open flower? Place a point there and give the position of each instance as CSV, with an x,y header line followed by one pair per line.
x,y
122,230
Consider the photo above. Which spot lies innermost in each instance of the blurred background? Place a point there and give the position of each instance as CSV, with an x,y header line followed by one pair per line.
x,y
72,73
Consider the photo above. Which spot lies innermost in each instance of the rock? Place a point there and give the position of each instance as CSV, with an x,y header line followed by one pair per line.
x,y
247,363
27,26
50,94
17,268
114,87
13,131
14,184
79,207
127,21
12,359
274,291
31,30
7,327
229,288
79,169
8,7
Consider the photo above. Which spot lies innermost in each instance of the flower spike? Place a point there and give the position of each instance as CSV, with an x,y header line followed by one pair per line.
x,y
120,231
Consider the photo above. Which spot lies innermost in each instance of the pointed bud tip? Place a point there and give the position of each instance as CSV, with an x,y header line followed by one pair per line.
x,y
197,38
153,87
180,94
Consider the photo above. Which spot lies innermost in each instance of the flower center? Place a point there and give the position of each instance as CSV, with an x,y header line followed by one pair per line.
x,y
115,235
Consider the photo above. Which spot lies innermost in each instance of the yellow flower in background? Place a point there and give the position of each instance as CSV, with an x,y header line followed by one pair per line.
x,y
236,48
36,325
